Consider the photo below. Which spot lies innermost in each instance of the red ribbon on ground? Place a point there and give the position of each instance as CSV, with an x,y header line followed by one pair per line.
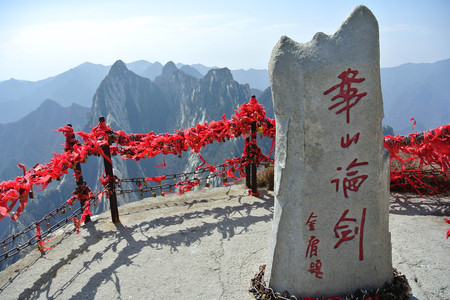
x,y
448,222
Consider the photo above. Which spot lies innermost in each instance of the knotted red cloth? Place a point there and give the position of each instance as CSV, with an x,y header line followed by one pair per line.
x,y
424,158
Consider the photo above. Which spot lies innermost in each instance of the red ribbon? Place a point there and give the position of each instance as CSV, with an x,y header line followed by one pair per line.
x,y
41,243
418,154
448,222
156,178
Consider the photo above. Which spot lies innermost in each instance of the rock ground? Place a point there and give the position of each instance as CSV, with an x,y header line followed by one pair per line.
x,y
206,245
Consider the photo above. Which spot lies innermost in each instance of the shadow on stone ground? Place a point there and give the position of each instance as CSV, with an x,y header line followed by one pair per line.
x,y
91,239
413,204
226,226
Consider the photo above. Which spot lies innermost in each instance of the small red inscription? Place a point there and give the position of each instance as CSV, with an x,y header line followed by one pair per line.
x,y
343,231
312,246
315,268
348,141
353,183
348,94
311,221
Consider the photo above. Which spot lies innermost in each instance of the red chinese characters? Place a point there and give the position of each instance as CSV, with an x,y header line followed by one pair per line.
x,y
312,249
348,141
311,221
351,183
315,268
346,230
312,246
347,93
349,98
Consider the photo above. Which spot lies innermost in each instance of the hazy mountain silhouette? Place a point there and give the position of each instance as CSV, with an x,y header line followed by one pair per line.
x,y
419,91
32,139
74,86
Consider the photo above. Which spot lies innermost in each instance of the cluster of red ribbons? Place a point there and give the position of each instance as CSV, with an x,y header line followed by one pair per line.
x,y
82,193
420,162
137,146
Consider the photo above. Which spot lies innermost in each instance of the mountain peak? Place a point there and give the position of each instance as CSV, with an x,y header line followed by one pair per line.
x,y
169,68
117,69
166,73
219,74
191,71
49,104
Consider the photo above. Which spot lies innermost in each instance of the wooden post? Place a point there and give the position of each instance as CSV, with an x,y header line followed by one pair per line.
x,y
111,187
253,167
247,167
80,180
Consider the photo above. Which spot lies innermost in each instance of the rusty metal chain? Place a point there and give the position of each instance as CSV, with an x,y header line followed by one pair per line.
x,y
173,176
399,289
425,172
32,226
33,240
144,187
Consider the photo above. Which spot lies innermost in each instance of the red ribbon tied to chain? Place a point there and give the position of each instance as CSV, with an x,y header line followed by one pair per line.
x,y
41,243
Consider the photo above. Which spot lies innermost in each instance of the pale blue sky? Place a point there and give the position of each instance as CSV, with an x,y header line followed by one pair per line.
x,y
43,38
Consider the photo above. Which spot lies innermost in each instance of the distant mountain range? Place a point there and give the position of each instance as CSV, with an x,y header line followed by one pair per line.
x,y
78,85
32,139
417,91
420,91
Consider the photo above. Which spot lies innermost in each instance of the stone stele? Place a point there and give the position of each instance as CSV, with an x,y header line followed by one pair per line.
x,y
330,234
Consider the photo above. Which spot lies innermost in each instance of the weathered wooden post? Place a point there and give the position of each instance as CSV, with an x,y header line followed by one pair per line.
x,y
79,178
111,186
80,182
251,169
247,167
330,235
253,166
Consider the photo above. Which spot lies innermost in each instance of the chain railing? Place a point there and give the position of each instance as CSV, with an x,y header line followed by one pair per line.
x,y
185,181
39,237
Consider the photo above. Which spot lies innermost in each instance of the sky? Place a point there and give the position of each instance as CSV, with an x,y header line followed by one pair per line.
x,y
39,39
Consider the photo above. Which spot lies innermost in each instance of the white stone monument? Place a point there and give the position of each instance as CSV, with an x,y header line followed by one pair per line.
x,y
330,232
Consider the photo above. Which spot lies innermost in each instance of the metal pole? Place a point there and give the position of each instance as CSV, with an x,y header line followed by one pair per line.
x,y
111,186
